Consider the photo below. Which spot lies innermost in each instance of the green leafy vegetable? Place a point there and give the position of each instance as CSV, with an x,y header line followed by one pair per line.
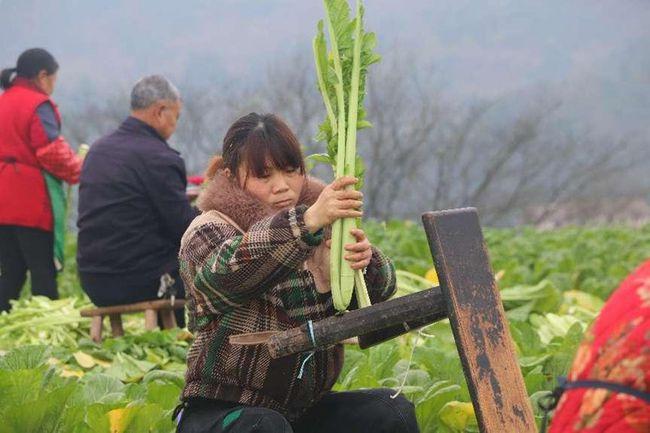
x,y
341,76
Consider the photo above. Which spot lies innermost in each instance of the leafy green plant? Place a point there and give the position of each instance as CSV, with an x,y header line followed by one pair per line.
x,y
35,398
553,285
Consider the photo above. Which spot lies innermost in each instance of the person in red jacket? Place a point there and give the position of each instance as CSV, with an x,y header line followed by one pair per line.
x,y
31,149
608,387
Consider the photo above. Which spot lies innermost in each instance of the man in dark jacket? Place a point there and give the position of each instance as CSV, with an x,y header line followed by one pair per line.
x,y
133,209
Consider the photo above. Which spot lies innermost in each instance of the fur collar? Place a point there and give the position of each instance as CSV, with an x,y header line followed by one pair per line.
x,y
224,195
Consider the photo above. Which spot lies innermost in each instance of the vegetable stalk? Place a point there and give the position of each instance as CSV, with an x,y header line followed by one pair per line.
x,y
341,300
341,81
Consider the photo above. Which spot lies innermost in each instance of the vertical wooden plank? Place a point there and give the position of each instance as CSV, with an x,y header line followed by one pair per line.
x,y
150,319
116,325
96,328
478,322
168,318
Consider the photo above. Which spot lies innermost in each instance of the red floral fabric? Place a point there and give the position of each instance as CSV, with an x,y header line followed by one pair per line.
x,y
616,348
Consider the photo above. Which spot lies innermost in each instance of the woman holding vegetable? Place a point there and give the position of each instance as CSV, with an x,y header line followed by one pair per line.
x,y
34,158
256,260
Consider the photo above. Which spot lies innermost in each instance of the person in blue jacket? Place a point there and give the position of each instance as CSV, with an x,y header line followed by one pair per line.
x,y
133,209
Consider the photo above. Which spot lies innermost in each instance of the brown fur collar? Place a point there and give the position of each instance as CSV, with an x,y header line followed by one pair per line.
x,y
226,196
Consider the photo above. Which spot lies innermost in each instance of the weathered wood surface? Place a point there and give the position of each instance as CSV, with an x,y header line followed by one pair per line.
x,y
373,338
358,322
478,322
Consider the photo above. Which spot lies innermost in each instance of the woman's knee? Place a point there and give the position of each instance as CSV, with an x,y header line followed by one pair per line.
x,y
259,420
395,414
243,419
271,421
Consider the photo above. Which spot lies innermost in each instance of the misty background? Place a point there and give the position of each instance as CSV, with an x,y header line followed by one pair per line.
x,y
535,112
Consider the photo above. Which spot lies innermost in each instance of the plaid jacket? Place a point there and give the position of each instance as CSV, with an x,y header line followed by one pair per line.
x,y
256,281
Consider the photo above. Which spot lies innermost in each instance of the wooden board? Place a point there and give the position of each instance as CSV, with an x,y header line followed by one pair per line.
x,y
358,322
159,304
373,338
478,322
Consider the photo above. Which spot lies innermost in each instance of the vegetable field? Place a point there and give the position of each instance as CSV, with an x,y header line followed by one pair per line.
x,y
53,378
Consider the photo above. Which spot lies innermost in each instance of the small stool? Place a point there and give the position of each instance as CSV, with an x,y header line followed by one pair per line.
x,y
150,308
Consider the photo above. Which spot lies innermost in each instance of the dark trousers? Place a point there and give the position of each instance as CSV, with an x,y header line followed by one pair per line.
x,y
23,249
106,290
365,411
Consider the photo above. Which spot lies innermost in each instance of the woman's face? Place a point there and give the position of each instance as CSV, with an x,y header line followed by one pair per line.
x,y
277,188
45,81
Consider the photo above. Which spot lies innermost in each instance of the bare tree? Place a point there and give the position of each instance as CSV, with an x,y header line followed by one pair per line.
x,y
423,152
88,120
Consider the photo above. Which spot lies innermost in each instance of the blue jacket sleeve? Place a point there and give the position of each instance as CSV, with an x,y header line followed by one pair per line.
x,y
46,115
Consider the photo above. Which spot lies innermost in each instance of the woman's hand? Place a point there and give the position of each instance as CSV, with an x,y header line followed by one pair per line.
x,y
359,253
333,203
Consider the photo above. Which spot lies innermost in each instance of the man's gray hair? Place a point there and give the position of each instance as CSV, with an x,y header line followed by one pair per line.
x,y
151,89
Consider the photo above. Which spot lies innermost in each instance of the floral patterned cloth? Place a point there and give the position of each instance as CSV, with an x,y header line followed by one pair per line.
x,y
616,349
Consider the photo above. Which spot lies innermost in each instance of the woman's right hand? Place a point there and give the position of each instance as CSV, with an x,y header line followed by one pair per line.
x,y
333,203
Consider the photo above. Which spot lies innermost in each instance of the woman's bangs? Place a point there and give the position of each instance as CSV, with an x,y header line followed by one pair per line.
x,y
262,148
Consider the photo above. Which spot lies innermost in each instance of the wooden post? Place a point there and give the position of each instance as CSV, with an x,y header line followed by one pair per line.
x,y
96,329
478,322
116,325
150,319
168,319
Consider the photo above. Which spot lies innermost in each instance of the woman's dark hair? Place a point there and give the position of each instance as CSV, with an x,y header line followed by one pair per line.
x,y
30,64
255,139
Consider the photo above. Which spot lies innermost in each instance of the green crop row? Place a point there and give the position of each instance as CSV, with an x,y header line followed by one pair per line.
x,y
553,283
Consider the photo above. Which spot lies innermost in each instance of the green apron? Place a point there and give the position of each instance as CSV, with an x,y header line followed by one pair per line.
x,y
58,203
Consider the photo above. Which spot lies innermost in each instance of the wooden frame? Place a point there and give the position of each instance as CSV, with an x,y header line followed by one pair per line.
x,y
469,297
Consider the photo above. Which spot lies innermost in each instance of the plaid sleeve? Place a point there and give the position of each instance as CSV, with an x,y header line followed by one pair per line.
x,y
240,267
380,277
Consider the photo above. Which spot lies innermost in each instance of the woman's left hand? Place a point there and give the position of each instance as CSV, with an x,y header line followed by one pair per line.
x,y
359,253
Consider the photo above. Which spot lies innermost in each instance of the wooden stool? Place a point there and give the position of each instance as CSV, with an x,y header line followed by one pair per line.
x,y
150,308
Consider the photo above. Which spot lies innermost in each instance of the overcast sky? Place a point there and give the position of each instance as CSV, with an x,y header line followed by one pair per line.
x,y
595,53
